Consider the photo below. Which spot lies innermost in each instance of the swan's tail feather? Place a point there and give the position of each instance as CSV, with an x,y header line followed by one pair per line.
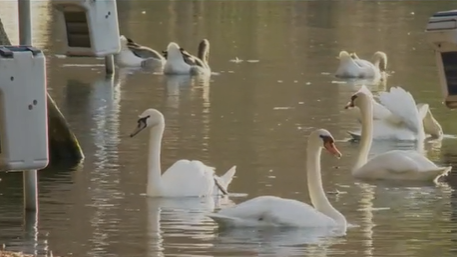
x,y
224,181
227,178
220,187
441,172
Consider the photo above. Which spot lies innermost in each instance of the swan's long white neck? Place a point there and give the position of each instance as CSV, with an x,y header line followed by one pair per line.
x,y
366,111
316,190
154,186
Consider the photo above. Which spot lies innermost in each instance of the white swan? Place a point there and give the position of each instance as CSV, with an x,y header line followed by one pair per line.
x,y
391,119
395,164
184,177
353,67
279,212
179,62
136,55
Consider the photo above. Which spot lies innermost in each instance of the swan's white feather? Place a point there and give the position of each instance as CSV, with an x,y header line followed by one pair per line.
x,y
358,68
272,211
380,112
385,130
191,178
363,63
394,164
401,164
401,104
388,126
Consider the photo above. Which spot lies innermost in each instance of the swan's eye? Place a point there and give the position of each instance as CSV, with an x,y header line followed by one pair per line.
x,y
142,120
353,98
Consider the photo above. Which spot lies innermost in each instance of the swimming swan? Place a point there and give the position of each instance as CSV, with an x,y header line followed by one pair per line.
x,y
272,211
389,124
179,62
184,177
353,67
394,164
134,55
202,58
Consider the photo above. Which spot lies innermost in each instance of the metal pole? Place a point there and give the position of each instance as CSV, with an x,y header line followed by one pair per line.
x,y
30,190
25,38
25,22
31,230
109,64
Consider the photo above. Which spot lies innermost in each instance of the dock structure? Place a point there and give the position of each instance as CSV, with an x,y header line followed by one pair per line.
x,y
63,144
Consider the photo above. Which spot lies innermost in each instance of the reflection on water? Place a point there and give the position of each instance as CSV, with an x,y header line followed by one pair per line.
x,y
170,218
255,113
278,242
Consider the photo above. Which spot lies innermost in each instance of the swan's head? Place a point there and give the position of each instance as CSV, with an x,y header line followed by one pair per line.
x,y
361,97
148,119
344,55
431,125
380,58
123,41
435,129
204,45
174,51
325,139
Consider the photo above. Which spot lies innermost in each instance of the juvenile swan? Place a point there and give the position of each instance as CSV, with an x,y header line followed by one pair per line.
x,y
184,177
272,211
179,62
135,55
202,58
352,67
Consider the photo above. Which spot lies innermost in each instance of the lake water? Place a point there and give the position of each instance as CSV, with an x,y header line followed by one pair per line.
x,y
255,113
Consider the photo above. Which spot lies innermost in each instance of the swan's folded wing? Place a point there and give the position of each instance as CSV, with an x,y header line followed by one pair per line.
x,y
276,210
385,130
379,111
363,63
144,52
189,176
423,162
402,104
393,161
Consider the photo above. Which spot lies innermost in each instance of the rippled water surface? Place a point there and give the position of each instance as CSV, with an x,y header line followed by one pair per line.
x,y
273,63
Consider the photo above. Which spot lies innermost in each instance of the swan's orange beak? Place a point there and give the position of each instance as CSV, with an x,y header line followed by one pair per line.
x,y
330,146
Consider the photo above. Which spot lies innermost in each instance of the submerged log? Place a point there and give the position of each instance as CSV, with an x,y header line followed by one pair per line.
x,y
63,144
